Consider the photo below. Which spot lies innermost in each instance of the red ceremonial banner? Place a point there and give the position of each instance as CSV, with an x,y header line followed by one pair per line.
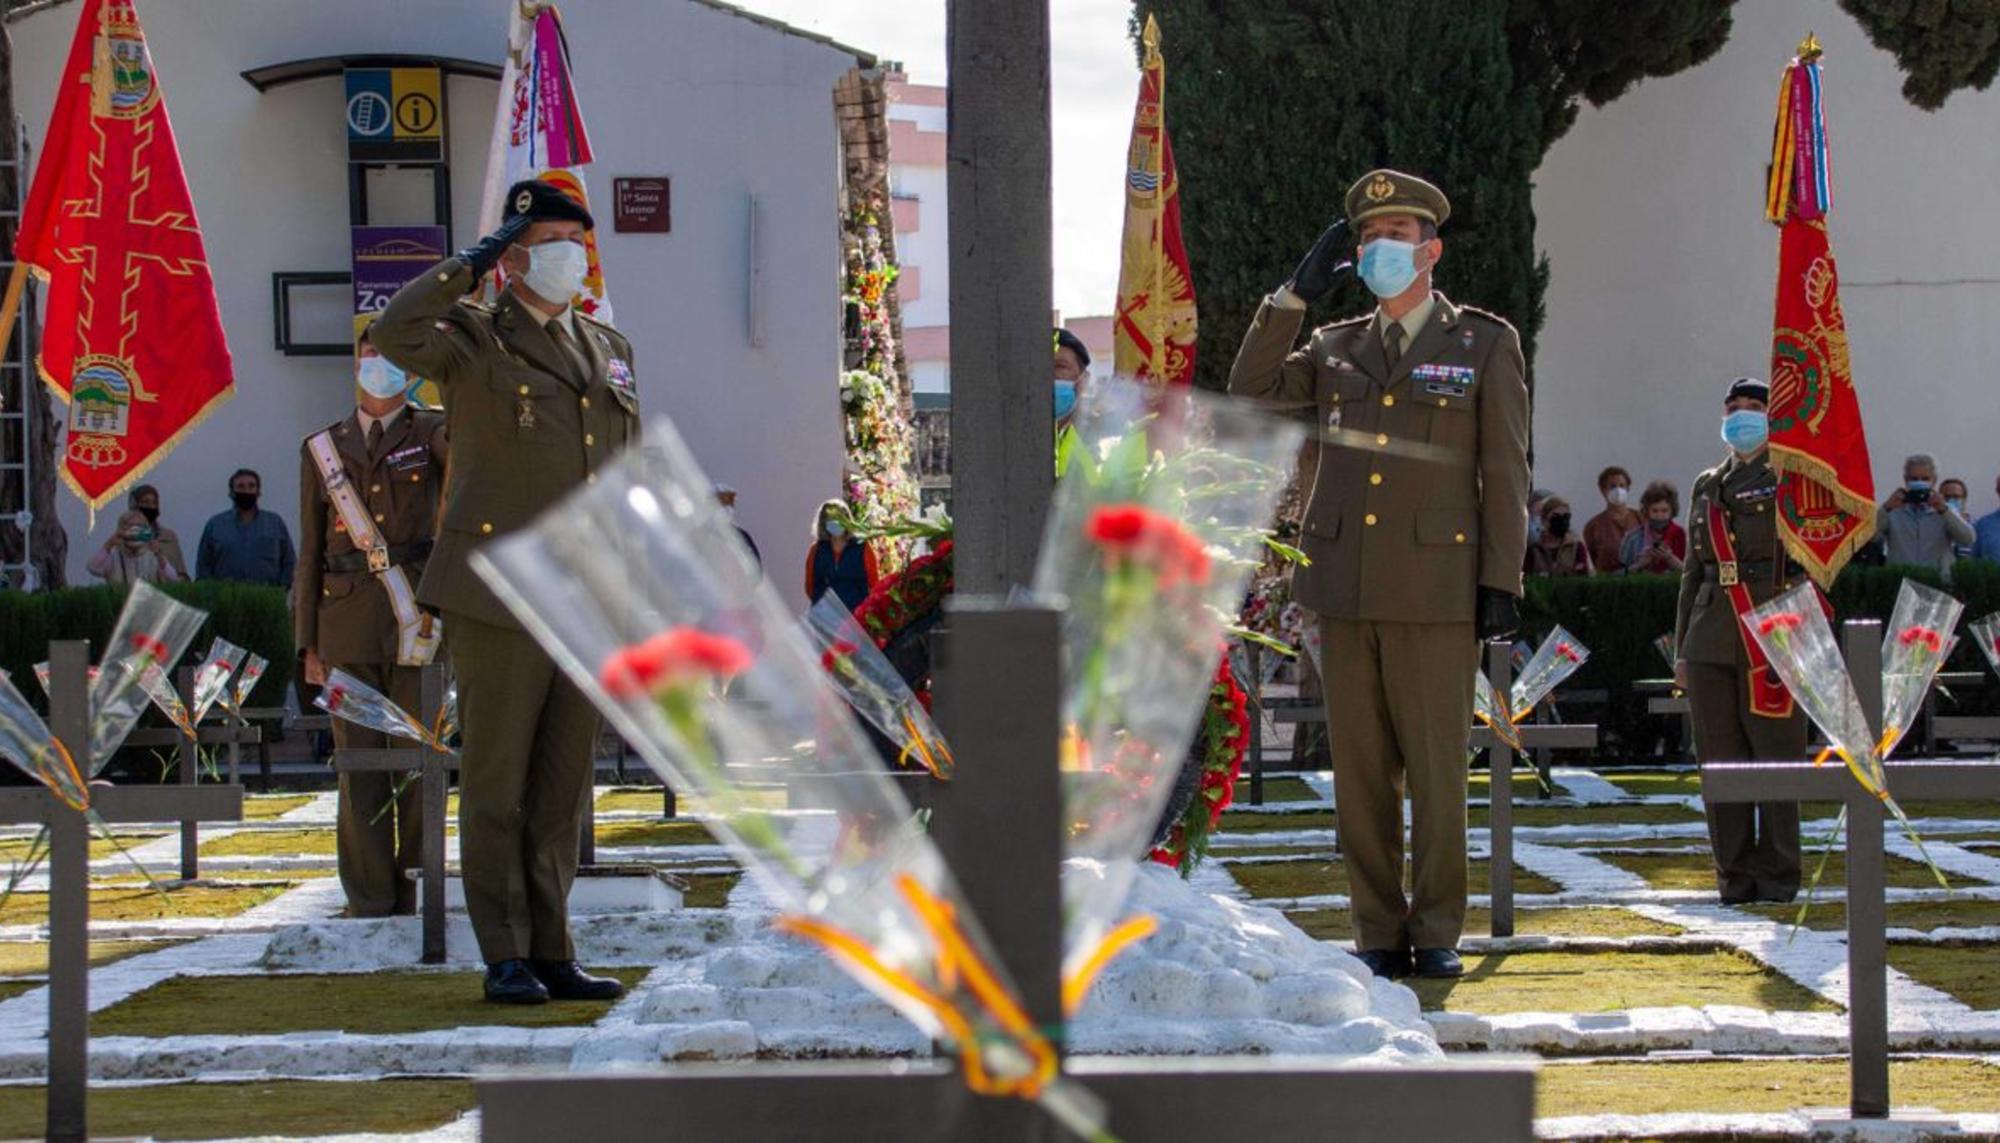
x,y
1153,334
1826,496
132,337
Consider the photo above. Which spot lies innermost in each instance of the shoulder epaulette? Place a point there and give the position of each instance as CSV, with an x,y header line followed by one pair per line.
x,y
1489,315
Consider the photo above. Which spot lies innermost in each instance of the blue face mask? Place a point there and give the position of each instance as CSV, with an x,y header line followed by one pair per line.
x,y
1746,431
835,529
1065,399
1388,267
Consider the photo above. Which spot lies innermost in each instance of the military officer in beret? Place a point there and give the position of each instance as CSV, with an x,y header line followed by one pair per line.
x,y
368,498
537,396
1740,710
1416,531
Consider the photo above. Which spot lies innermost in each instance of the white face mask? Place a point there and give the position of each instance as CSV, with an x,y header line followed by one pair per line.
x,y
379,377
556,270
1617,497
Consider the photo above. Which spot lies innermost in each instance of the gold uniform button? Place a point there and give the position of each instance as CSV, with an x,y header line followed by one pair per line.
x,y
486,529
374,488
524,390
1459,538
1374,478
1388,400
1381,438
414,478
444,276
590,478
1442,402
589,439
584,401
378,517
1369,519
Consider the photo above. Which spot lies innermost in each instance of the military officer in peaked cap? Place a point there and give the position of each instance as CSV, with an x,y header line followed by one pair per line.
x,y
537,396
1416,529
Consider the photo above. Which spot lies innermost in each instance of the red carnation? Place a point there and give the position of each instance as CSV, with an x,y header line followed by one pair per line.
x,y
670,657
1929,639
841,649
335,696
1141,535
1568,651
1783,621
150,646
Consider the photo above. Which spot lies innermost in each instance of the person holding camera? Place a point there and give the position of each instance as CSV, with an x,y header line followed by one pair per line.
x,y
132,554
1917,526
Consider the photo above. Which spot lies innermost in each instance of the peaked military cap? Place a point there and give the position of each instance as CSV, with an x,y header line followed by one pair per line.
x,y
1393,192
1749,387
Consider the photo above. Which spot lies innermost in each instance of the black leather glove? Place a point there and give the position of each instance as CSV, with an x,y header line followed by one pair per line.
x,y
1499,614
482,256
1330,260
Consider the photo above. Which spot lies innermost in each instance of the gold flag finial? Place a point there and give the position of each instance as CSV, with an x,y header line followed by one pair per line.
x,y
1809,49
1151,37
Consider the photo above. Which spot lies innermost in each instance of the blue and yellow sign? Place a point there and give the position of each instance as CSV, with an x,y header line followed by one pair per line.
x,y
395,115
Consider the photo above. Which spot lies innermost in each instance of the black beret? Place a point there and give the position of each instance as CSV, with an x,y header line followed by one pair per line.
x,y
1067,340
545,202
1749,387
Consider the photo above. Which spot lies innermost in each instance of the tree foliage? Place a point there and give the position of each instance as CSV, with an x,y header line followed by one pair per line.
x,y
1942,45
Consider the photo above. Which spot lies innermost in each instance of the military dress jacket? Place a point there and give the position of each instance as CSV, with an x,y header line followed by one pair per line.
x,y
1706,629
1422,490
340,609
526,428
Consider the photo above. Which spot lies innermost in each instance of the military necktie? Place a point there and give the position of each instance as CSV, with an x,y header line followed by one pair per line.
x,y
579,367
1392,342
374,441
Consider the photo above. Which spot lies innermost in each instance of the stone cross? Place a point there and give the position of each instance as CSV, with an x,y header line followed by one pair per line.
x,y
69,877
189,765
1867,909
433,769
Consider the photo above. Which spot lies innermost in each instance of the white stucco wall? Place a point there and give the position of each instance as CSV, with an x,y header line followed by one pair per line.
x,y
727,107
1651,211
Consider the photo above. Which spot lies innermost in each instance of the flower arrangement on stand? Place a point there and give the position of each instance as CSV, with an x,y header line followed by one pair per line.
x,y
880,441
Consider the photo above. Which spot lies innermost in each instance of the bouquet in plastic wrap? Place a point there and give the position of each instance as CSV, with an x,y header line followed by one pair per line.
x,y
211,679
237,695
1158,523
635,586
1668,650
1559,657
1797,638
346,697
1987,631
864,677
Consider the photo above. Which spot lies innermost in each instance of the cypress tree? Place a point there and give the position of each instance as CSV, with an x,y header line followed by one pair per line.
x,y
1942,45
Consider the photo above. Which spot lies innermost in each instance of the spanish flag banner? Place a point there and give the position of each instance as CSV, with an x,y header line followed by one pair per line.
x,y
1818,443
1153,335
133,337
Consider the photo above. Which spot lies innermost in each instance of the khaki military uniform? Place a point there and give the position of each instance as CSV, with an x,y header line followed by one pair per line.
x,y
1420,498
530,420
343,612
1756,844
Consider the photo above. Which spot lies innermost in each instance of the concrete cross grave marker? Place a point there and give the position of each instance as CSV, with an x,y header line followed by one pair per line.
x,y
69,877
1867,909
189,763
433,768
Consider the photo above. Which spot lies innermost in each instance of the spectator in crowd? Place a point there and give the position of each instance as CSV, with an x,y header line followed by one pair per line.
x,y
1558,550
1072,375
1956,497
1606,532
1659,545
725,495
1535,498
1916,526
132,554
837,562
1986,546
145,500
246,543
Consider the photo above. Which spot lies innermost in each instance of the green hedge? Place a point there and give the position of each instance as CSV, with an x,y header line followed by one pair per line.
x,y
251,616
1619,617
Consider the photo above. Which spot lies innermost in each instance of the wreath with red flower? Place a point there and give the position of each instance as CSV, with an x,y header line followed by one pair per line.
x,y
1225,742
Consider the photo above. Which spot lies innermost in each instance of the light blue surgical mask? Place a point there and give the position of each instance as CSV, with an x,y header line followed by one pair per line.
x,y
1746,431
1065,399
1388,267
835,529
380,378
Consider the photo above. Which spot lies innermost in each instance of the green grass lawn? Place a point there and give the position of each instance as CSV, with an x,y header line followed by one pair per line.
x,y
9,989
649,799
227,1110
1312,878
1495,983
1752,1085
31,958
15,849
653,833
379,1003
1528,814
1338,924
1233,822
264,807
143,903
708,890
1645,783
1479,783
272,843
1286,789
1974,810
1969,973
1831,916
1697,870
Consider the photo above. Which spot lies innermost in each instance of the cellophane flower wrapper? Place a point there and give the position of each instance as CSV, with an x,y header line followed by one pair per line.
x,y
211,679
346,697
1560,656
863,676
1987,632
246,681
1488,708
635,587
447,718
153,632
160,689
42,676
1668,651
1915,646
1157,526
27,743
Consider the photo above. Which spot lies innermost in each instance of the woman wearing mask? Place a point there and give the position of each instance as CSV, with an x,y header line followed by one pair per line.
x,y
837,562
1659,545
1558,550
1606,531
132,554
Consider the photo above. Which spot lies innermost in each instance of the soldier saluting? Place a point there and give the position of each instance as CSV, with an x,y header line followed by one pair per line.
x,y
1740,710
537,396
1416,535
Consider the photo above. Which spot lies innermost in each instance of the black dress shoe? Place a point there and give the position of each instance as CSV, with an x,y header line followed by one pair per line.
x,y
510,982
1386,963
1438,964
565,981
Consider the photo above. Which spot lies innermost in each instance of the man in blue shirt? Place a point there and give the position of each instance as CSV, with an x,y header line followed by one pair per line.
x,y
1987,545
244,543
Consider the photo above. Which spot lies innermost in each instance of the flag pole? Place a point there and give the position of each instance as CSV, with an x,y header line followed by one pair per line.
x,y
10,307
